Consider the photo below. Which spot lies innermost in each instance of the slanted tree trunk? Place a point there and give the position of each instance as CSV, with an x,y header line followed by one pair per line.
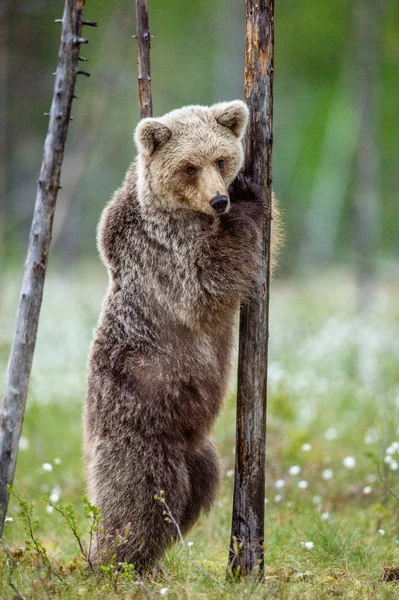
x,y
367,22
143,39
247,533
20,361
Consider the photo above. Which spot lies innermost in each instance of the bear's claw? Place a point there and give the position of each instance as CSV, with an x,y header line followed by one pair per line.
x,y
243,189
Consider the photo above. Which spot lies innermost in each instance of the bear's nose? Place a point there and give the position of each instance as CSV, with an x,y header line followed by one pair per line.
x,y
219,203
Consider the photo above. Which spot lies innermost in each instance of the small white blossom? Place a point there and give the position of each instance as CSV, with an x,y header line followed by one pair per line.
x,y
47,467
163,591
327,474
57,461
8,520
229,473
306,447
266,500
331,434
189,544
294,470
394,465
23,443
367,490
307,545
54,497
381,531
280,483
278,498
394,447
388,459
325,516
349,462
49,509
303,485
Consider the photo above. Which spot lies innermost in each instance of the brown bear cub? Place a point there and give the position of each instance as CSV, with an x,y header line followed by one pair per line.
x,y
181,245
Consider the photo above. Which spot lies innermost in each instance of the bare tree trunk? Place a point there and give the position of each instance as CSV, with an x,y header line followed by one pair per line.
x,y
143,39
20,362
368,14
247,534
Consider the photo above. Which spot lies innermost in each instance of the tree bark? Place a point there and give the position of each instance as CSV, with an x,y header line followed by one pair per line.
x,y
21,356
247,534
143,39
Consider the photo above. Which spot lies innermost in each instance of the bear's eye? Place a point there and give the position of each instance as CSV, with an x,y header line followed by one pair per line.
x,y
191,170
220,163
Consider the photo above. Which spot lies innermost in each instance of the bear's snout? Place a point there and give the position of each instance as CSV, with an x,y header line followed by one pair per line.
x,y
219,203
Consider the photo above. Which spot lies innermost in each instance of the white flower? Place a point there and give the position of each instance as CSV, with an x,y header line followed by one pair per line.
x,y
388,459
302,485
47,467
49,509
331,434
8,520
381,531
266,500
229,473
23,443
327,474
278,498
367,490
294,470
189,544
394,465
317,499
325,516
307,545
306,447
280,483
57,461
163,591
394,447
349,462
54,496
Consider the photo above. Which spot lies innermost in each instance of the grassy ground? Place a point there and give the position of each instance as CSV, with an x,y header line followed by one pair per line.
x,y
331,525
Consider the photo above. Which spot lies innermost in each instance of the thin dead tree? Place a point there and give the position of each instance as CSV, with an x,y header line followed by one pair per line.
x,y
21,356
143,39
247,533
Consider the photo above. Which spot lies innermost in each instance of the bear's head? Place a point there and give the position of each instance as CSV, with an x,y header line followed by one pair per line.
x,y
189,157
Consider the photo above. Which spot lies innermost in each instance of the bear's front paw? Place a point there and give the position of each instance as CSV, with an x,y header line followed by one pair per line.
x,y
242,189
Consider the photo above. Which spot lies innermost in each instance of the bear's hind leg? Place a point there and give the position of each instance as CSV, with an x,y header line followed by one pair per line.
x,y
124,479
204,474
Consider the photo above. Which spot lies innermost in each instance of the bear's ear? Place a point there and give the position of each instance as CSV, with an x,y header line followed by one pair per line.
x,y
150,134
233,115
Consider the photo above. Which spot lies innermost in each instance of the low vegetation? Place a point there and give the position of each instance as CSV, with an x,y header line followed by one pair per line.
x,y
332,471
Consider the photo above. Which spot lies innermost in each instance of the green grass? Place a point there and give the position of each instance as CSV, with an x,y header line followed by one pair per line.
x,y
334,385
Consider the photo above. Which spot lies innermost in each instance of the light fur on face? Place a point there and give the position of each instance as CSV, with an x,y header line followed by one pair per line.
x,y
206,140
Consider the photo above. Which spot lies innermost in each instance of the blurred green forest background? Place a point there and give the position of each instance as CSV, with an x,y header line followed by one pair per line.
x,y
198,57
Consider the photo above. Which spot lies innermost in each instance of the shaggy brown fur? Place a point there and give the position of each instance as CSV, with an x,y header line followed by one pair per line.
x,y
160,358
